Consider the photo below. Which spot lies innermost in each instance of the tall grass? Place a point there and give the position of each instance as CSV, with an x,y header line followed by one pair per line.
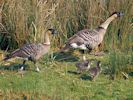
x,y
119,63
27,20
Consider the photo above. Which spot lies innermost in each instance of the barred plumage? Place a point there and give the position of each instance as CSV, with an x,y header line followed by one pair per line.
x,y
33,51
30,50
90,39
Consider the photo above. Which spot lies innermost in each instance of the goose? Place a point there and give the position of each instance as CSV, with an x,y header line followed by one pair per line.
x,y
95,71
32,52
83,66
90,39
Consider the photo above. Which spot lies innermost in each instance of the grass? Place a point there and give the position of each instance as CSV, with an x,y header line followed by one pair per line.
x,y
58,81
26,21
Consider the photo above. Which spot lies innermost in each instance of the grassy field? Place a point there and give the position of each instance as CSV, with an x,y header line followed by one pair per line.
x,y
26,21
58,81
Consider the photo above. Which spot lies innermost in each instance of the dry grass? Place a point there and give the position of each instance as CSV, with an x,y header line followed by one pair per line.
x,y
27,20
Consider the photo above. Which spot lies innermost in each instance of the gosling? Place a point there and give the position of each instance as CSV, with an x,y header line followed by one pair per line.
x,y
95,71
83,66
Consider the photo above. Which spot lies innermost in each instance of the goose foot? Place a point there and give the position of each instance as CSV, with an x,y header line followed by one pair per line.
x,y
37,69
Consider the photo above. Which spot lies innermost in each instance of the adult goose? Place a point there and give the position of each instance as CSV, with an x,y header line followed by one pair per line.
x,y
89,39
34,51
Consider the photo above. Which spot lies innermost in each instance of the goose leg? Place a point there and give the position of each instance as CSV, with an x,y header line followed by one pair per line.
x,y
83,57
100,46
22,67
32,58
97,52
37,68
94,51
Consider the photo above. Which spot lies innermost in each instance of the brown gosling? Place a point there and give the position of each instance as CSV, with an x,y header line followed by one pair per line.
x,y
95,71
83,66
32,52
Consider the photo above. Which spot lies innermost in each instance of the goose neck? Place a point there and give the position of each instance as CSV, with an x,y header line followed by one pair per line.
x,y
46,38
107,22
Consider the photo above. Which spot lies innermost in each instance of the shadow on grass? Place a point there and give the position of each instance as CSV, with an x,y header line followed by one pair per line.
x,y
131,74
85,77
73,72
67,57
12,67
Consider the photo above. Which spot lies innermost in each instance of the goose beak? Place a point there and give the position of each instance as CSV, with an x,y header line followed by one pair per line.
x,y
53,31
119,14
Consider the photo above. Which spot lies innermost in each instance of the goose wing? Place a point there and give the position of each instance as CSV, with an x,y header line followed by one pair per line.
x,y
28,50
85,38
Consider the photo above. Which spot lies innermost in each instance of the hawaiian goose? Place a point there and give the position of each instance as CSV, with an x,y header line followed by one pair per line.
x,y
95,71
90,39
83,66
33,51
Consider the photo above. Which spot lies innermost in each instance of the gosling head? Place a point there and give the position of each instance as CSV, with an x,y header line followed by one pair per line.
x,y
87,63
52,31
117,14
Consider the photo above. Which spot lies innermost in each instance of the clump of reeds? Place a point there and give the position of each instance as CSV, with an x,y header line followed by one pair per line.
x,y
119,63
25,21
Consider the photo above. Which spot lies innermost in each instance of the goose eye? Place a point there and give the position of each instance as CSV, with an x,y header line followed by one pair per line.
x,y
119,14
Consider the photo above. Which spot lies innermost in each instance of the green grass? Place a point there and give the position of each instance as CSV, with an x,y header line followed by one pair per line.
x,y
26,21
57,81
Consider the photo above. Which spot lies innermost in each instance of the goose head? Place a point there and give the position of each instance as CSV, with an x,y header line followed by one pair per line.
x,y
52,31
117,14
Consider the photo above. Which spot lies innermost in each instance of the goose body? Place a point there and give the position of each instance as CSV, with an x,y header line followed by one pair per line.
x,y
83,66
30,50
89,39
33,51
86,39
95,71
